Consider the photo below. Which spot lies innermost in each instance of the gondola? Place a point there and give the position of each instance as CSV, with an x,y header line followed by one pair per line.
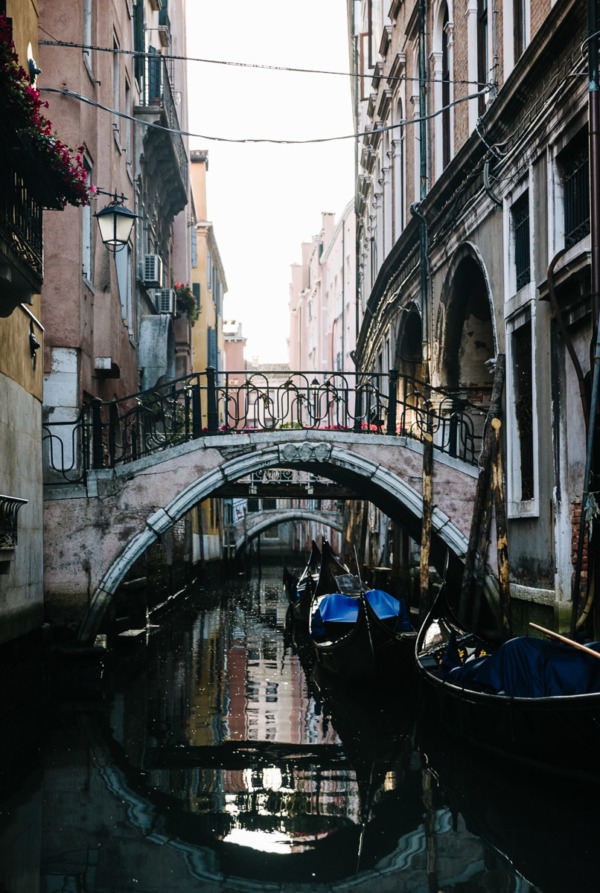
x,y
358,632
530,702
300,589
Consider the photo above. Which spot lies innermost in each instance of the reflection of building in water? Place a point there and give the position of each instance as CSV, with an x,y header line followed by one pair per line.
x,y
249,691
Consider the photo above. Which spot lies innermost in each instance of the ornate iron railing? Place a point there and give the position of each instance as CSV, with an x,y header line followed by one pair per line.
x,y
157,93
9,509
232,403
20,218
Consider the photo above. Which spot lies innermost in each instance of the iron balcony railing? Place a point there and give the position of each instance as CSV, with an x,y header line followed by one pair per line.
x,y
157,93
107,434
20,220
9,509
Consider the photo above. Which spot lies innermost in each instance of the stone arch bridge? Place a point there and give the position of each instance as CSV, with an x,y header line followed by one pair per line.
x,y
97,529
256,523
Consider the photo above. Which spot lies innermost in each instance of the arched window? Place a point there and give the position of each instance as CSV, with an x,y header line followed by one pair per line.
x,y
443,92
398,172
387,193
416,129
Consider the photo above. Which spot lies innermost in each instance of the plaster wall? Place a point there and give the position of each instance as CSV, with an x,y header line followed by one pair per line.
x,y
84,312
21,588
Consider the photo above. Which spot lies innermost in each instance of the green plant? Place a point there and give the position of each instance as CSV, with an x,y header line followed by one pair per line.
x,y
186,302
22,120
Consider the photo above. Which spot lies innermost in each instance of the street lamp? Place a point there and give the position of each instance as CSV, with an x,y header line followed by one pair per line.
x,y
115,222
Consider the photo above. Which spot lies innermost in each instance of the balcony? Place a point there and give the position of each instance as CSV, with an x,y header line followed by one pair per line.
x,y
9,509
164,150
21,258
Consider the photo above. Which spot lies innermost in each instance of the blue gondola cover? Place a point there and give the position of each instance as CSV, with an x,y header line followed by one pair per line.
x,y
526,667
387,607
339,608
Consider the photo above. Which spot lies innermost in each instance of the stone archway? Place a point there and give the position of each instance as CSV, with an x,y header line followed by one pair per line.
x,y
467,342
272,518
387,486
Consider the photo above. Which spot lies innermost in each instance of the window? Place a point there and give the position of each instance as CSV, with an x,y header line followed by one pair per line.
x,y
373,260
116,91
398,184
86,232
194,258
139,44
522,411
208,269
445,91
211,339
88,15
521,247
518,28
128,133
574,168
482,50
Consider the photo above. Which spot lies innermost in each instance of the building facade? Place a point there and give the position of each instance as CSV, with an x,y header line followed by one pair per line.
x,y
209,287
39,178
473,239
322,302
114,77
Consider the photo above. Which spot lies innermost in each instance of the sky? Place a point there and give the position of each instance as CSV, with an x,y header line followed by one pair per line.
x,y
264,200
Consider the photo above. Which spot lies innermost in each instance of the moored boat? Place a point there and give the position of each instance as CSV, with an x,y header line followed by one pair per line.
x,y
300,589
356,631
530,701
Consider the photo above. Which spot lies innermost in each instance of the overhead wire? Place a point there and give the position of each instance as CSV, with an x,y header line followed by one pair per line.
x,y
256,65
291,142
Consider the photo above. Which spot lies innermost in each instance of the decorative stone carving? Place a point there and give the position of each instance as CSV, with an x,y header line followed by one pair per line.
x,y
305,452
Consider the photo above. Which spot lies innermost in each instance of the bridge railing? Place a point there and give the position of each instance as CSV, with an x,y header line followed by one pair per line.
x,y
106,434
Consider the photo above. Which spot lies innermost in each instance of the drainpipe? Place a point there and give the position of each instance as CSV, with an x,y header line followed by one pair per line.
x,y
343,292
594,138
357,228
423,189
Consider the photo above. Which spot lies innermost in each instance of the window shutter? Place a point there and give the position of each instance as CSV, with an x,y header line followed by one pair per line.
x,y
211,346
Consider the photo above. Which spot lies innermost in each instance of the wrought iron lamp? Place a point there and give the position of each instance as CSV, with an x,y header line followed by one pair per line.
x,y
115,222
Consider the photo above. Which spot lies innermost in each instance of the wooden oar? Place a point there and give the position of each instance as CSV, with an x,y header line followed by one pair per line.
x,y
567,641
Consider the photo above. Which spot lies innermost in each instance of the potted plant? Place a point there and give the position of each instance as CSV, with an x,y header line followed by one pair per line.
x,y
186,303
55,172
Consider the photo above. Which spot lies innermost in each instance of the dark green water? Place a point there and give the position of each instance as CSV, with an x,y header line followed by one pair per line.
x,y
209,757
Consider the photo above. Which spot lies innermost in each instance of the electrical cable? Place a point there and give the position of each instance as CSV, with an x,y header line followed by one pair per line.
x,y
223,139
178,58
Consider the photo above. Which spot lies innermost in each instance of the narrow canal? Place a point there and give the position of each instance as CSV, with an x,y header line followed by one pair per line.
x,y
210,756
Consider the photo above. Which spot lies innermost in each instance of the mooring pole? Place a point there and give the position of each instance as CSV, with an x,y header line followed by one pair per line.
x,y
577,617
424,276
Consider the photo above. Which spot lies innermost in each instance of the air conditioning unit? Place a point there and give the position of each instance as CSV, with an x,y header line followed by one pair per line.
x,y
164,300
152,277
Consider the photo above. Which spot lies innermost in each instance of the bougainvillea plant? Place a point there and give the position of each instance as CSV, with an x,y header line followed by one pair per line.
x,y
20,113
186,302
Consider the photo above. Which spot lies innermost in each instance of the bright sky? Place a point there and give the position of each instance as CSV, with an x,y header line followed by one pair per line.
x,y
265,200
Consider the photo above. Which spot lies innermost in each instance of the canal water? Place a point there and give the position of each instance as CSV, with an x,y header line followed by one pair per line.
x,y
209,755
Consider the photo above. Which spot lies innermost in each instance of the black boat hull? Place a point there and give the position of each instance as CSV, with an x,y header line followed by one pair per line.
x,y
560,733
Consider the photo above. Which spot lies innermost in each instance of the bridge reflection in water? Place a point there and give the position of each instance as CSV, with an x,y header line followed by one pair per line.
x,y
220,763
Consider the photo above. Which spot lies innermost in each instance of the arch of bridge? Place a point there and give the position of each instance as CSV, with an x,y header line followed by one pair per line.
x,y
257,522
118,519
